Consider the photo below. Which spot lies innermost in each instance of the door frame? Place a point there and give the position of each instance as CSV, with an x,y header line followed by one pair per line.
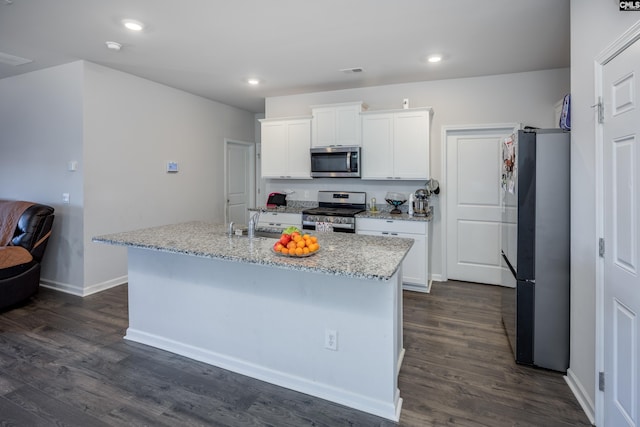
x,y
446,130
618,46
251,174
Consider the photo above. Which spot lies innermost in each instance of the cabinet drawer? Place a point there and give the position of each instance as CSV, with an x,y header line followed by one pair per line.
x,y
279,219
392,226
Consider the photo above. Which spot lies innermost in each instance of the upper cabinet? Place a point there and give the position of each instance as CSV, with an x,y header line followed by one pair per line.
x,y
336,124
285,148
395,144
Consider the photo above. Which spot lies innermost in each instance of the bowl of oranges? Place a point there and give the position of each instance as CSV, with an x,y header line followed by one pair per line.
x,y
294,243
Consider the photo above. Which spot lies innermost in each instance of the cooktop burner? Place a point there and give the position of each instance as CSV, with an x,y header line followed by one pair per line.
x,y
328,211
338,203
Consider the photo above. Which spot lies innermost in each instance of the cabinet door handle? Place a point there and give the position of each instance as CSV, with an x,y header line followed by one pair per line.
x,y
394,234
390,221
385,232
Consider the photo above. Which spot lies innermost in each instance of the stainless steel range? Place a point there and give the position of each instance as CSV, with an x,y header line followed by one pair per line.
x,y
336,210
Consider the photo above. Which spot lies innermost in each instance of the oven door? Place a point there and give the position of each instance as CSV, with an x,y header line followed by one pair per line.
x,y
335,162
330,226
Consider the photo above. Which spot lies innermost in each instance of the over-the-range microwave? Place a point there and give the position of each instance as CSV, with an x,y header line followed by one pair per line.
x,y
335,162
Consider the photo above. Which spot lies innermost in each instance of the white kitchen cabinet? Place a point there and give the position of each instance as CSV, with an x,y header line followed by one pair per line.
x,y
415,272
395,144
279,220
336,124
285,148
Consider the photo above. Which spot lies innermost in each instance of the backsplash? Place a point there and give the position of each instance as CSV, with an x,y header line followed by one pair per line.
x,y
307,190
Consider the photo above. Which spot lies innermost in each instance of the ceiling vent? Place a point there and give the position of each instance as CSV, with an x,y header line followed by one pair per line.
x,y
352,70
5,58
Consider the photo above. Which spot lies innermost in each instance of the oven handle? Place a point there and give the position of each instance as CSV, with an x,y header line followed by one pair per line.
x,y
349,161
313,224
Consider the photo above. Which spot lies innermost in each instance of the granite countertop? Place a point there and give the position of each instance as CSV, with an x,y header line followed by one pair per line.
x,y
384,212
282,209
351,255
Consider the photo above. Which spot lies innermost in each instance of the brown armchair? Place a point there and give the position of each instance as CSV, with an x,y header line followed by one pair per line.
x,y
21,249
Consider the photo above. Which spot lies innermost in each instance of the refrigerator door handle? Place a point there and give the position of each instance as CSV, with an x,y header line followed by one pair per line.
x,y
513,271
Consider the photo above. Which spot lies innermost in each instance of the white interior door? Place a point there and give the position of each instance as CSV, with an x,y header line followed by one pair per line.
x,y
240,180
473,235
621,130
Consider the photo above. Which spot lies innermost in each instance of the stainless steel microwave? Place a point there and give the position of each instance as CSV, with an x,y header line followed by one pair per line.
x,y
335,162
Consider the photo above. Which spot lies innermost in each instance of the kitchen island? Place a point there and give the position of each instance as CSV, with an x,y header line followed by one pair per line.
x,y
329,325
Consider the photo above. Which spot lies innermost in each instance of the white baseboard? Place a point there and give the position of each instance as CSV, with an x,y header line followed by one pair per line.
x,y
99,287
301,384
581,395
82,291
436,278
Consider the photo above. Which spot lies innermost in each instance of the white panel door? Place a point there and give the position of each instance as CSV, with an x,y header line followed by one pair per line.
x,y
239,180
473,234
621,131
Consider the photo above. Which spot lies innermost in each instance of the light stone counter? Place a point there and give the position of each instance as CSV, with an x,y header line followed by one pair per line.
x,y
351,255
329,325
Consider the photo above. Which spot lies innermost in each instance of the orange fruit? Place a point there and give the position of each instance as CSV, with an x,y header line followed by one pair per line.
x,y
278,247
297,238
291,245
301,244
305,250
314,247
314,239
305,236
284,251
298,251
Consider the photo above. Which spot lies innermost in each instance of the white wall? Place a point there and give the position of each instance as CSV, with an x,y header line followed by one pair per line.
x,y
122,130
40,131
528,98
586,44
133,127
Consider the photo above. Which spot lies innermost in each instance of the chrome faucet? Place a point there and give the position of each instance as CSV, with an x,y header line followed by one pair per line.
x,y
231,229
253,222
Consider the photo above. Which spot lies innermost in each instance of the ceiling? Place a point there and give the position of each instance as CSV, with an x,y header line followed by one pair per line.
x,y
210,47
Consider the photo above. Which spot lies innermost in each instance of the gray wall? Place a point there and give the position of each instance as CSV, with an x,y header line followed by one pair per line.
x,y
122,130
528,98
40,131
586,44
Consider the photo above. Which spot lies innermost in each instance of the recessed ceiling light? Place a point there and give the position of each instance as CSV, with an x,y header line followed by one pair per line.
x,y
253,82
133,25
434,58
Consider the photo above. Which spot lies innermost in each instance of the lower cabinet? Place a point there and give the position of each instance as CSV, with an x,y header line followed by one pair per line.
x,y
415,272
279,220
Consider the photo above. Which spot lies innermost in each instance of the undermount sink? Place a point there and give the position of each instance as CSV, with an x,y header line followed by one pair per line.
x,y
264,234
267,234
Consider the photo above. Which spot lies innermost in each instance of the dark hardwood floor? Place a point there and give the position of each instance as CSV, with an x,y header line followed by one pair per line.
x,y
63,362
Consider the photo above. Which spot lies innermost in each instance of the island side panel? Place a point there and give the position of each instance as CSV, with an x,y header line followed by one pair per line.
x,y
269,323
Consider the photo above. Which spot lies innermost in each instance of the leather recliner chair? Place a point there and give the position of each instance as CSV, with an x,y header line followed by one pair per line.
x,y
20,282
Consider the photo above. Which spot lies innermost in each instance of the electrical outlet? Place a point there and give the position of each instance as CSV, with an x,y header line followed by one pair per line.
x,y
331,339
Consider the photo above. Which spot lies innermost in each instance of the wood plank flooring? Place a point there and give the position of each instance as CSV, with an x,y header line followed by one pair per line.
x,y
63,362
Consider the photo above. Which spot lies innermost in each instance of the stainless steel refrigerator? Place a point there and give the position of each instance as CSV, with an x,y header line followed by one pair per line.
x,y
535,246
